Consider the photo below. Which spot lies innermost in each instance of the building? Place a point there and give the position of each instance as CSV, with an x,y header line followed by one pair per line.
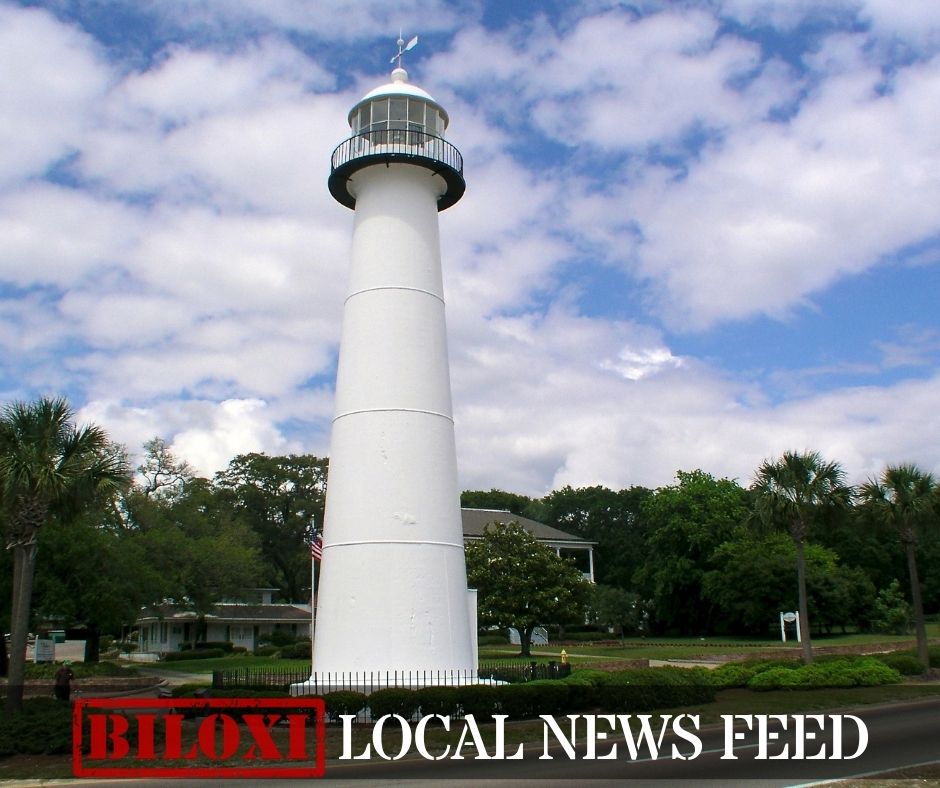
x,y
167,627
564,544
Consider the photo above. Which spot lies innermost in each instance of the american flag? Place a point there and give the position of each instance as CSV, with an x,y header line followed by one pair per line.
x,y
316,548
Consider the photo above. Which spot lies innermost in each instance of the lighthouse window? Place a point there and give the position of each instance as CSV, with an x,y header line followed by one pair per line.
x,y
416,112
364,118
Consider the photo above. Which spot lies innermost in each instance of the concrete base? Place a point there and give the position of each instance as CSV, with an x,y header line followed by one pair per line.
x,y
370,682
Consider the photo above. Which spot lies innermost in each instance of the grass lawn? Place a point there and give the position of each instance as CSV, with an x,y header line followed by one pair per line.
x,y
226,663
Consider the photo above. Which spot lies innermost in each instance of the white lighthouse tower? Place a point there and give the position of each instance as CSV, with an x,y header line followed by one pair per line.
x,y
393,595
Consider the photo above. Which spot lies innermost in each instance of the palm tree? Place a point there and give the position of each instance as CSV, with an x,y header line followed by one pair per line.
x,y
48,467
791,493
904,498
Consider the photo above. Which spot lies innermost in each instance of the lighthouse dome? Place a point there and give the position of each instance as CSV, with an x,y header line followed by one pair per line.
x,y
398,100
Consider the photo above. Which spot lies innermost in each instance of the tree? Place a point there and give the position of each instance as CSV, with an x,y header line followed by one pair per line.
x,y
200,547
498,500
904,498
162,473
792,493
282,499
616,609
611,518
522,583
48,466
686,523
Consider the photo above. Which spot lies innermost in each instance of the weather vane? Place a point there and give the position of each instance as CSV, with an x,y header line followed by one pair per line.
x,y
402,48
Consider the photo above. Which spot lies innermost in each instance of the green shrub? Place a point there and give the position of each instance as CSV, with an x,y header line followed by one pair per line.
x,y
438,700
905,664
266,651
199,653
837,672
301,650
645,689
344,702
225,645
280,637
553,696
480,700
43,727
594,676
587,637
492,639
393,700
582,694
518,701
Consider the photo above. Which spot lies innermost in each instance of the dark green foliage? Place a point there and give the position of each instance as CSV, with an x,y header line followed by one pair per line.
x,y
518,701
905,664
225,645
493,639
480,700
686,523
344,702
646,689
393,700
438,700
551,697
738,674
892,613
280,637
266,651
301,650
588,637
582,693
43,726
197,653
521,582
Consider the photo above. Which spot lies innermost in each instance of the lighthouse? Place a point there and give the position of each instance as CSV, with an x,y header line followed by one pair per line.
x,y
393,597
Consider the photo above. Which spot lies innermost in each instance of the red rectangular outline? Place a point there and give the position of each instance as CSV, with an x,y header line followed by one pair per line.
x,y
316,705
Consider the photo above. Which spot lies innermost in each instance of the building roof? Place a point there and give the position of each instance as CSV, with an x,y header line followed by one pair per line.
x,y
227,611
476,520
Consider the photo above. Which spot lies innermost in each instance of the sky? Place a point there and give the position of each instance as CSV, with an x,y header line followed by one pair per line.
x,y
696,234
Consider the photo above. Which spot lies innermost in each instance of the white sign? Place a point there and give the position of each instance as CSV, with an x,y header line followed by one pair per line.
x,y
44,650
788,618
539,637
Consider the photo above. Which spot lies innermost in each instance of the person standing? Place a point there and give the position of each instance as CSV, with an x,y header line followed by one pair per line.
x,y
63,681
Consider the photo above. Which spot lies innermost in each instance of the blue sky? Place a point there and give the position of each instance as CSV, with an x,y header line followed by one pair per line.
x,y
695,234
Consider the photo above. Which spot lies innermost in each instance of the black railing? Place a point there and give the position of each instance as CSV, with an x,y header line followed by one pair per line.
x,y
398,143
281,679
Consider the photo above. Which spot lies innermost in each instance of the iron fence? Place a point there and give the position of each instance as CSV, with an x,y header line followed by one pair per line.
x,y
282,679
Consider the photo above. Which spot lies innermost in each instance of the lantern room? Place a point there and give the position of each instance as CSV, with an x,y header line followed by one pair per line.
x,y
397,122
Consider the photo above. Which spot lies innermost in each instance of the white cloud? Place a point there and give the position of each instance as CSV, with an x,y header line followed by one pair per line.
x,y
188,280
52,75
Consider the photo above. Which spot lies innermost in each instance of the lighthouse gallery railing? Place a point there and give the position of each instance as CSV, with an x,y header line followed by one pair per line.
x,y
398,144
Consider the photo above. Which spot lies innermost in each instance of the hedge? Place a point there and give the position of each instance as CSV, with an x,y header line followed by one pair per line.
x,y
344,702
646,689
863,672
301,650
198,653
393,700
439,700
43,727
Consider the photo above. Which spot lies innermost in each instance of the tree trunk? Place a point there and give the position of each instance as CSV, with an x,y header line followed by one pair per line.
x,y
525,641
24,564
920,627
804,604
